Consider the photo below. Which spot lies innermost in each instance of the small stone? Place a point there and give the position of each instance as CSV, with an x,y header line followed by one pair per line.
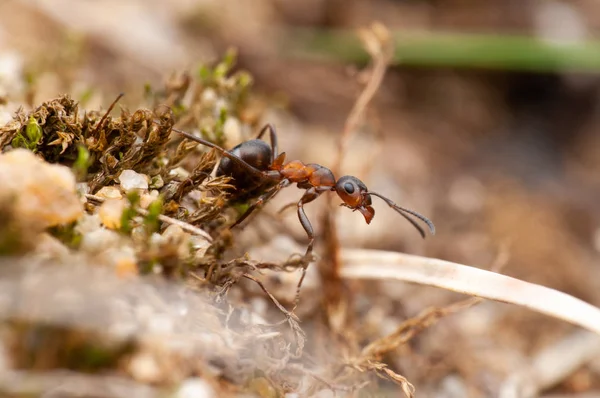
x,y
88,223
110,213
232,130
220,106
98,240
147,198
157,182
199,246
43,194
82,188
143,368
209,96
195,388
124,261
175,235
179,172
129,180
109,193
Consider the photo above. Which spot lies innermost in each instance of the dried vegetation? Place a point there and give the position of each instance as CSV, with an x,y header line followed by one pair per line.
x,y
139,203
119,273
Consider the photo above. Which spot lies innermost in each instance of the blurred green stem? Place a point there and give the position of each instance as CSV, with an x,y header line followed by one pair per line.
x,y
454,50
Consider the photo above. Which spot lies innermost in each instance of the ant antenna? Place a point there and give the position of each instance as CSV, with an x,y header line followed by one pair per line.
x,y
108,111
404,213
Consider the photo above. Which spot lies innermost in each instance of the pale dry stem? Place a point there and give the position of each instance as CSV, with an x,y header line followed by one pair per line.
x,y
378,43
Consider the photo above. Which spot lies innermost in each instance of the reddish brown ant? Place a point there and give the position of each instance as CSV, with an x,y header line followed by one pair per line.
x,y
259,170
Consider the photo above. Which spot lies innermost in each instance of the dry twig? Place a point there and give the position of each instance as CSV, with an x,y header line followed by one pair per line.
x,y
290,316
379,45
552,365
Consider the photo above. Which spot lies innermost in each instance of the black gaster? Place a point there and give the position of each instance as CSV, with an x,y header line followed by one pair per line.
x,y
256,153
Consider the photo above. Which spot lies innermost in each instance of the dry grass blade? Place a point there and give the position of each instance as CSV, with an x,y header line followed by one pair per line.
x,y
378,43
552,365
409,328
168,220
382,370
373,264
369,359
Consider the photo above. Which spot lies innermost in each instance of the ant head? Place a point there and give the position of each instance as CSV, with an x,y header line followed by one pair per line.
x,y
355,195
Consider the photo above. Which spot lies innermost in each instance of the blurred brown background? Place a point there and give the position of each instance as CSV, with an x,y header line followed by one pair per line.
x,y
493,155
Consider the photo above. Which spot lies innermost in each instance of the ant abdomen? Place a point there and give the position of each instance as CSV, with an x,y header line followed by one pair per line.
x,y
256,153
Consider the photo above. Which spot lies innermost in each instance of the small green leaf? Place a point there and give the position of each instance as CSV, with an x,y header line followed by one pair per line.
x,y
154,210
86,95
244,80
33,131
220,71
19,141
178,109
133,197
241,208
230,58
204,73
83,162
148,92
129,212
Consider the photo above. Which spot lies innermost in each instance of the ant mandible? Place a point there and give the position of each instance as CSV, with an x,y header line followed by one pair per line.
x,y
259,170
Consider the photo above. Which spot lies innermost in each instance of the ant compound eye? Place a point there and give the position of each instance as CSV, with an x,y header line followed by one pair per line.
x,y
350,190
349,187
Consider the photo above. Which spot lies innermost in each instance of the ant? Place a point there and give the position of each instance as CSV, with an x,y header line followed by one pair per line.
x,y
259,170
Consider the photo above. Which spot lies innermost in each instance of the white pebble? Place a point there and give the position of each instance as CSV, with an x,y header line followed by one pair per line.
x,y
88,223
98,240
110,213
195,388
209,96
42,193
157,182
233,131
147,199
129,180
109,193
144,368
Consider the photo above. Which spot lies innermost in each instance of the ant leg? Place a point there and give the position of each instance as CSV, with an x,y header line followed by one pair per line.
x,y
273,137
261,201
310,195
